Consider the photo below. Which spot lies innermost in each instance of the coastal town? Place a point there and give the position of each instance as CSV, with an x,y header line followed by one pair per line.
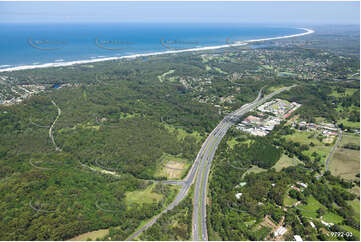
x,y
14,94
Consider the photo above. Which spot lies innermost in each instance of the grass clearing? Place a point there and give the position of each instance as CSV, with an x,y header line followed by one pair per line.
x,y
310,210
347,123
355,204
161,77
332,218
254,169
206,58
286,161
274,88
219,70
127,115
143,196
98,234
305,137
231,143
172,167
288,201
181,133
267,67
346,162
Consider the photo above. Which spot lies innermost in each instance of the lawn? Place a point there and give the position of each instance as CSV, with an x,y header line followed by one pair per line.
x,y
353,125
286,161
288,201
355,139
143,196
332,218
355,204
303,137
346,162
310,210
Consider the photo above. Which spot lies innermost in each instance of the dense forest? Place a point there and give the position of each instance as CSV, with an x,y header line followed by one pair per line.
x,y
108,142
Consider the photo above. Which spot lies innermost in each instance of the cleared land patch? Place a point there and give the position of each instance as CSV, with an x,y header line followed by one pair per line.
x,y
310,210
172,167
288,201
346,162
286,161
98,234
254,169
161,77
305,137
332,218
143,196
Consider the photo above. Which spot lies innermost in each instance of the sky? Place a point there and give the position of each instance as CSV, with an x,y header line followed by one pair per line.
x,y
182,12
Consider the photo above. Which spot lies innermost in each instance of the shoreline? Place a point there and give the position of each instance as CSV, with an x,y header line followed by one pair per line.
x,y
78,62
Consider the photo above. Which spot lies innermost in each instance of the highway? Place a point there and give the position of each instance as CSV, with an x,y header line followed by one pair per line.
x,y
203,160
200,193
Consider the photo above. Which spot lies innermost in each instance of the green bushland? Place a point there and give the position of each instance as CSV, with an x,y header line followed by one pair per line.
x,y
176,224
123,123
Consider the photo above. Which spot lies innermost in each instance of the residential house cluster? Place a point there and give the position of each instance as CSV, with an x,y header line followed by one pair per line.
x,y
21,92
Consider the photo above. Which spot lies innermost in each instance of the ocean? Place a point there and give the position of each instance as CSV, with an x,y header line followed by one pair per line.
x,y
36,44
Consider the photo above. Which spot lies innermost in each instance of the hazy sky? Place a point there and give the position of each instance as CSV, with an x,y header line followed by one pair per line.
x,y
222,12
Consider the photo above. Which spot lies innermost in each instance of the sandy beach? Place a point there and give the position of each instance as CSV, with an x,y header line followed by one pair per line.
x,y
70,63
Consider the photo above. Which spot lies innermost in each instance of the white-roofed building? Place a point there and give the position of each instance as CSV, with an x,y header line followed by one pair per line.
x,y
280,231
302,184
312,225
298,238
325,223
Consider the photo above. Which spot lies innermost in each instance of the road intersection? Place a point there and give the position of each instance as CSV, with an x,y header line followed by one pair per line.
x,y
201,168
213,140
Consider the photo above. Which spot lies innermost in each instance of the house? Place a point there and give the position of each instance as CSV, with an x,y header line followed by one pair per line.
x,y
302,184
312,225
296,188
326,224
280,231
238,195
298,238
